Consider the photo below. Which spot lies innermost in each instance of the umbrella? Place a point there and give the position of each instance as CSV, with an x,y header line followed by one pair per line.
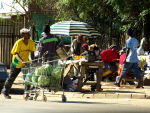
x,y
72,28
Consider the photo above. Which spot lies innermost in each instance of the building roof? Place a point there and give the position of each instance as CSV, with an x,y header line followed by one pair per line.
x,y
9,8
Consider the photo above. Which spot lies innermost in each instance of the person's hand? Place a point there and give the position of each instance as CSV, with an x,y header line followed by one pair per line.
x,y
27,62
24,62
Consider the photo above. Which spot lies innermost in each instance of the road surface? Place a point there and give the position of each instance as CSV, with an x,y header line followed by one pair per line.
x,y
54,105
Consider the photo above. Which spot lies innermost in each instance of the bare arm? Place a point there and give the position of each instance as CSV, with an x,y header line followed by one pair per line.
x,y
127,53
18,58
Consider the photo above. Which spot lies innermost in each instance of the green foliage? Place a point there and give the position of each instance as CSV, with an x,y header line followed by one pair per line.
x,y
103,15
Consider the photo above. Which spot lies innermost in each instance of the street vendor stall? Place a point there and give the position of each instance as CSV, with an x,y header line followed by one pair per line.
x,y
79,29
83,66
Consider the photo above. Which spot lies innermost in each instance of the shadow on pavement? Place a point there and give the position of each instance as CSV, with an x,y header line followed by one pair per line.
x,y
17,91
82,102
108,91
114,91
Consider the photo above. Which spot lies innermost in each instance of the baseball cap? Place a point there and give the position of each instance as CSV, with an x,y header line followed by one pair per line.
x,y
84,45
129,31
24,30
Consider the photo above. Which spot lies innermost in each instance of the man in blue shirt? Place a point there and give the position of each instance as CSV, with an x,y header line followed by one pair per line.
x,y
131,60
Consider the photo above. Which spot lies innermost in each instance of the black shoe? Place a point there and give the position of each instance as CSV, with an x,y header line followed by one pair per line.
x,y
138,86
6,96
117,84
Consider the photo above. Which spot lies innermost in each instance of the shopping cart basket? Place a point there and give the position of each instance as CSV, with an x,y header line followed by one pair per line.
x,y
46,77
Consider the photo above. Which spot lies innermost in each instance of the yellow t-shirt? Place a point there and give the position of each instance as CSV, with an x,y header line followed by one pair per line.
x,y
23,51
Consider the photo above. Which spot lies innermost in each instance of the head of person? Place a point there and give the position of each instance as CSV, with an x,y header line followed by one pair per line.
x,y
79,38
46,29
25,33
123,50
114,48
92,47
96,50
86,39
129,32
85,46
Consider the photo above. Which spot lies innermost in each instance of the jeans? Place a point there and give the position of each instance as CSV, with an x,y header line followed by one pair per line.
x,y
126,67
10,80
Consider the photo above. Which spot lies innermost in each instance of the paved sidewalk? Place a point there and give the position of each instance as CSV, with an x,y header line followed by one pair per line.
x,y
110,91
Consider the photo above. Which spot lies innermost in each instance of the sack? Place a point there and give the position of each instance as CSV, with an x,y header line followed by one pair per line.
x,y
91,56
61,53
67,82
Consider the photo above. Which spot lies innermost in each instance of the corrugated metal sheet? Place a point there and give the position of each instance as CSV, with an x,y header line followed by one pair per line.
x,y
9,33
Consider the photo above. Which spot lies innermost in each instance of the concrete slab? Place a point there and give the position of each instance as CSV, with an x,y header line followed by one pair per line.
x,y
111,95
125,95
138,96
78,95
89,96
100,96
147,97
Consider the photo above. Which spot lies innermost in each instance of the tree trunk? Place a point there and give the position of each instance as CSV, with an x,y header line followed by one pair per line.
x,y
147,28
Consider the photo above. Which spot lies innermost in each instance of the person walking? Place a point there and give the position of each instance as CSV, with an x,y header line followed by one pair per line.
x,y
131,60
48,44
20,51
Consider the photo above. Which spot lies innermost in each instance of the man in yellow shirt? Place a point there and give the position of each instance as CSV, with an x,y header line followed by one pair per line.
x,y
20,51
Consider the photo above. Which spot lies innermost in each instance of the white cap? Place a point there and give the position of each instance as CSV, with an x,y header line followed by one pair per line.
x,y
24,30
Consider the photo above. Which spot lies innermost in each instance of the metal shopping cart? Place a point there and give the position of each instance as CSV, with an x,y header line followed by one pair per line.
x,y
48,76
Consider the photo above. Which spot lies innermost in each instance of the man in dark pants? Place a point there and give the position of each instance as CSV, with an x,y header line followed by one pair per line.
x,y
20,51
131,60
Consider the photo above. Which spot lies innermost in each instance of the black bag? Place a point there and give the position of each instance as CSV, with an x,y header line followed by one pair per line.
x,y
91,56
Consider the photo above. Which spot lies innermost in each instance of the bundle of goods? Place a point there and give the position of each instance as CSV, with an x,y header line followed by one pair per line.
x,y
44,76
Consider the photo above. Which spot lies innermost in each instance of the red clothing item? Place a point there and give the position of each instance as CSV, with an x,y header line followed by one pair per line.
x,y
115,55
109,55
121,62
122,58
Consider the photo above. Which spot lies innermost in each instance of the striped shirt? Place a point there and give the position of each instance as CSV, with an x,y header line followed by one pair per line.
x,y
48,43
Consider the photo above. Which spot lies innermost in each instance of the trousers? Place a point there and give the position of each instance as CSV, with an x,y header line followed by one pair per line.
x,y
126,67
10,80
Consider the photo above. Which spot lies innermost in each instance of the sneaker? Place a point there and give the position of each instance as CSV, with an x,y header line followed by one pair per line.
x,y
117,84
6,96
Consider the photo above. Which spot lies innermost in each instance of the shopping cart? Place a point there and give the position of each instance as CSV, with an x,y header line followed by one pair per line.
x,y
33,74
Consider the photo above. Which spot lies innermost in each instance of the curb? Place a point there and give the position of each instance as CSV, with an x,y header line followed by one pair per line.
x,y
78,95
109,96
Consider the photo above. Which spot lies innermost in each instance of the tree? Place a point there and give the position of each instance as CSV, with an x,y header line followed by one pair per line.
x,y
94,12
107,16
132,12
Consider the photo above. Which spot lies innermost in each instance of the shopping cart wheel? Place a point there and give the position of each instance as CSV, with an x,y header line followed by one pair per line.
x,y
64,99
44,98
35,97
26,96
